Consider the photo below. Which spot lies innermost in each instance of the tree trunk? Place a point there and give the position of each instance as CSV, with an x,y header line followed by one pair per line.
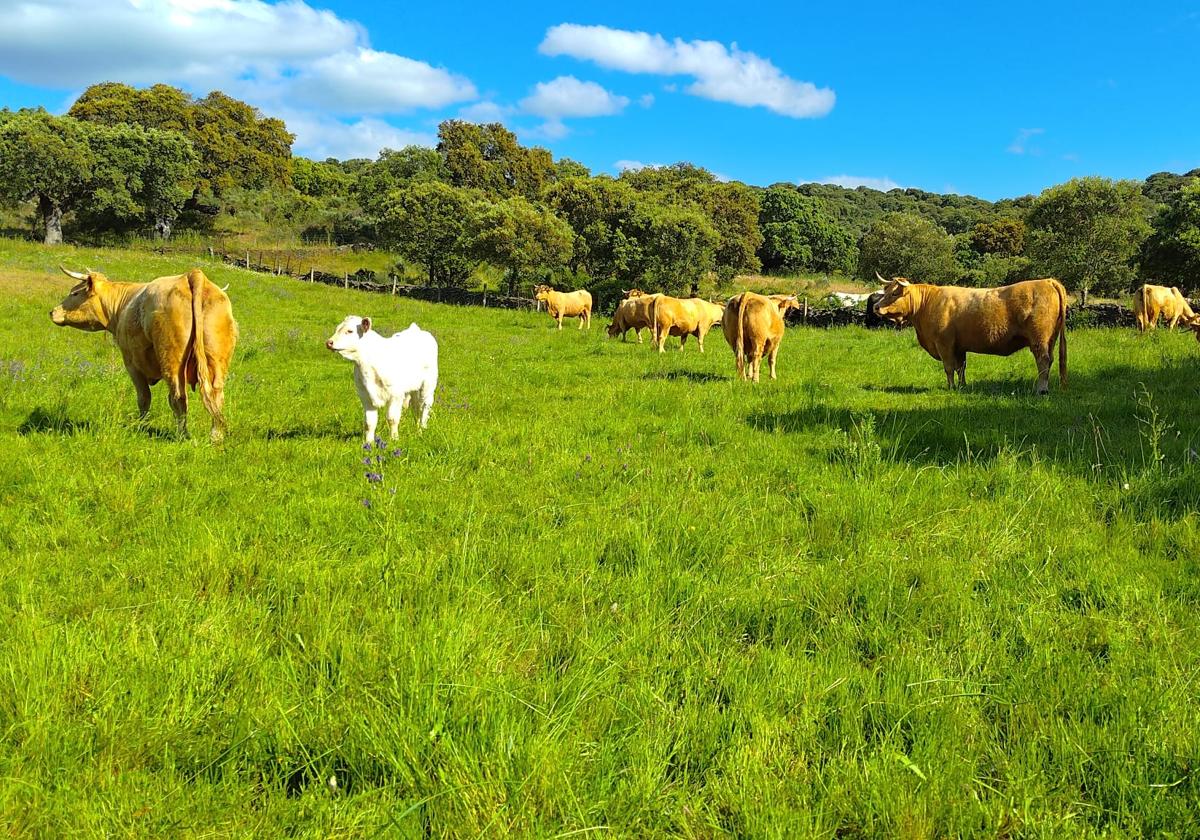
x,y
51,214
162,228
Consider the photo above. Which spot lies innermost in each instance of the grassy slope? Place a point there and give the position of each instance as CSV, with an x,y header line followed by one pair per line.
x,y
612,588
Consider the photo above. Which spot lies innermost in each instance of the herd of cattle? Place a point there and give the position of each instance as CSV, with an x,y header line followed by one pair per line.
x,y
181,329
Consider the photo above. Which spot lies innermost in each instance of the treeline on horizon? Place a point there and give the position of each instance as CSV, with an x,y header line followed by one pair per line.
x,y
126,162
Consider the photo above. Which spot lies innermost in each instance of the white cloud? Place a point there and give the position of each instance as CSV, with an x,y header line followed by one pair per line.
x,y
1020,144
71,43
486,112
285,57
566,96
367,81
855,181
319,137
646,100
720,73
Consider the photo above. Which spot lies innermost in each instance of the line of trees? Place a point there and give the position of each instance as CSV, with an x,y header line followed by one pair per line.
x,y
126,160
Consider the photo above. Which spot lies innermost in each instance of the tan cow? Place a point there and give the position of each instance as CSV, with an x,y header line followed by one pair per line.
x,y
1152,302
567,305
633,313
753,326
1194,325
180,329
682,317
951,321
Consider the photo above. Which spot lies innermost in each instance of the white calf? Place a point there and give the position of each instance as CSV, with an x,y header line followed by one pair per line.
x,y
393,372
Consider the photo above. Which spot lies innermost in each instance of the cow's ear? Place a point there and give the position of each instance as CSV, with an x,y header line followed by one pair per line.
x,y
364,326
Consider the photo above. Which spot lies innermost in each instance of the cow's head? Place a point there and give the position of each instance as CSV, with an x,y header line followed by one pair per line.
x,y
346,337
786,302
898,299
632,293
1193,324
83,307
613,330
541,291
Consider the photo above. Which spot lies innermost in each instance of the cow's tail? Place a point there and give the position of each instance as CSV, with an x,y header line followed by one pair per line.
x,y
739,352
654,320
1062,334
196,281
1144,315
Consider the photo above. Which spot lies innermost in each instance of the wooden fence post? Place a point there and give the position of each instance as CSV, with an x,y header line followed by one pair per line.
x,y
346,280
247,260
394,279
806,309
312,274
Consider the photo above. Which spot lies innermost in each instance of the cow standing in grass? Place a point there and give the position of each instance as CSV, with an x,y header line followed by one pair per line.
x,y
951,321
179,329
392,373
567,305
1153,302
633,313
683,317
754,327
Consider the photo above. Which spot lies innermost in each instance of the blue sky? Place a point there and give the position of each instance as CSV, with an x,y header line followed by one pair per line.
x,y
994,100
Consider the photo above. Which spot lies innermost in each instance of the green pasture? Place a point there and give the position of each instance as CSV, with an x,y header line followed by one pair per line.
x,y
607,593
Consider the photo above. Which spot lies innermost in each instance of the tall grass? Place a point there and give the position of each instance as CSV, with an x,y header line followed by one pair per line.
x,y
606,590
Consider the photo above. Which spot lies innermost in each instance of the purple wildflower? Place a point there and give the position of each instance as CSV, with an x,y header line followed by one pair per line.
x,y
374,477
396,453
587,459
367,447
366,503
367,461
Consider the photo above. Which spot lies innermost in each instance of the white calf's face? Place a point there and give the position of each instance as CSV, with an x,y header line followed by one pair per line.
x,y
346,337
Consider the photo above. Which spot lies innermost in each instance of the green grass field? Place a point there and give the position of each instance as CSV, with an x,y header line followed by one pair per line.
x,y
607,592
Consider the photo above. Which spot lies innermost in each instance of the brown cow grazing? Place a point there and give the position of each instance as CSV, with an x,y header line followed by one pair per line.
x,y
683,317
566,305
180,329
1152,302
753,326
952,321
633,313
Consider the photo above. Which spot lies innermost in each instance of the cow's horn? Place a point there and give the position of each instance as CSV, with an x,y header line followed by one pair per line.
x,y
75,275
880,276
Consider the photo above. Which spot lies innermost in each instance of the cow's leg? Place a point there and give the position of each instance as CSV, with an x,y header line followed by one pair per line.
x,y
682,341
772,352
1043,357
370,421
426,396
559,318
962,370
216,407
142,386
949,357
756,360
638,332
394,410
177,397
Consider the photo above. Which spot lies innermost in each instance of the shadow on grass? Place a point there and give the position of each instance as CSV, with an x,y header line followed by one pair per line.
x,y
690,375
312,433
47,421
1103,421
